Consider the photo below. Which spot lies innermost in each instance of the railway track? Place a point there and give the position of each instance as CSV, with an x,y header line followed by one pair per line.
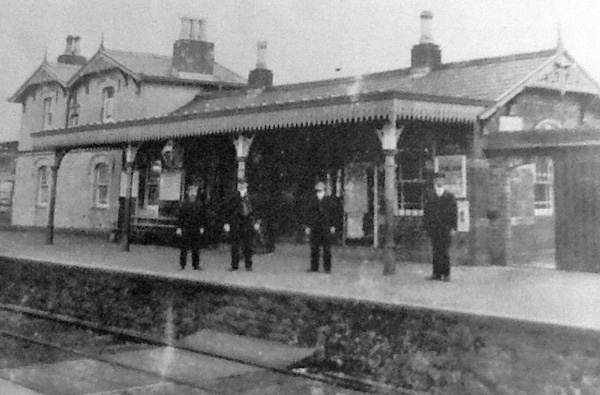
x,y
344,385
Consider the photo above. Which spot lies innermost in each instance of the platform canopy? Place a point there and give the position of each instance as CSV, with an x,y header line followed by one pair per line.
x,y
256,116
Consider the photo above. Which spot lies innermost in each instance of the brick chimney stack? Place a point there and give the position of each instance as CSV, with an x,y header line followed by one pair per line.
x,y
426,56
192,53
72,53
261,77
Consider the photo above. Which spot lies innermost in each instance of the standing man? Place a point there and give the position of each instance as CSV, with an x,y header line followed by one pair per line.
x,y
240,225
191,218
320,227
440,221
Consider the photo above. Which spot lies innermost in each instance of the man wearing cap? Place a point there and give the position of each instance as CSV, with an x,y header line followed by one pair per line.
x,y
240,225
440,221
191,218
320,227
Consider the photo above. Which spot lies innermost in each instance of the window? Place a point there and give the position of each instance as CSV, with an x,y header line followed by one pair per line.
x,y
47,122
107,104
153,183
43,193
411,182
544,187
73,111
101,185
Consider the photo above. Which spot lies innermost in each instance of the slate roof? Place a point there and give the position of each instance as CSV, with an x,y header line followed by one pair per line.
x,y
483,80
152,66
147,66
47,72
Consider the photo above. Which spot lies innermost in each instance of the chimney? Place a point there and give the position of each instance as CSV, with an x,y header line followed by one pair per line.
x,y
261,77
192,53
76,49
426,56
72,52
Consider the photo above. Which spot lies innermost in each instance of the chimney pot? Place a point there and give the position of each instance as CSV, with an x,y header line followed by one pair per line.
x,y
76,49
192,53
261,55
69,46
426,22
186,29
426,55
72,52
201,29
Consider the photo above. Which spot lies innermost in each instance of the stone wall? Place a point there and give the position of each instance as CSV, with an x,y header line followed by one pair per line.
x,y
422,350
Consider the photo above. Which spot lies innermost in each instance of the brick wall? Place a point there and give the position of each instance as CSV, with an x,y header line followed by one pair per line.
x,y
535,106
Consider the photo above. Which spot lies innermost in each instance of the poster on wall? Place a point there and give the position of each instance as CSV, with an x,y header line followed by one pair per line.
x,y
170,185
356,199
455,169
356,193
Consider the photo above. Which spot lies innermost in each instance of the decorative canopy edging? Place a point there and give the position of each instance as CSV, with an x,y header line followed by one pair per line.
x,y
258,119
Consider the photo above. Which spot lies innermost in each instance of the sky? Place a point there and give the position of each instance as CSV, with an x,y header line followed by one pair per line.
x,y
307,39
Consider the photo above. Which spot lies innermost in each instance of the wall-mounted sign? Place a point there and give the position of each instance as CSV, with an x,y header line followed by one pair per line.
x,y
463,216
454,168
170,185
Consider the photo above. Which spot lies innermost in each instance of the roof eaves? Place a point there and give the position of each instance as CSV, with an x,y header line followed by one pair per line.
x,y
499,59
102,52
44,66
187,81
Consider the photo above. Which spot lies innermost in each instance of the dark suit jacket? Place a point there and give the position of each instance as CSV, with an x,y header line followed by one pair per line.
x,y
440,214
320,216
191,217
234,213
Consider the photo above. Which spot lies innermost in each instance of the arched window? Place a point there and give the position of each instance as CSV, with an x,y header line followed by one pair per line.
x,y
43,190
101,185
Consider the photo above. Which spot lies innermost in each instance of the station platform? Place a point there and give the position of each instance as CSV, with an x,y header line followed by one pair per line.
x,y
525,294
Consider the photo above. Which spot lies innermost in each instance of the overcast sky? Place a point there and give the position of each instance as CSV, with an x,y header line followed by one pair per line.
x,y
307,39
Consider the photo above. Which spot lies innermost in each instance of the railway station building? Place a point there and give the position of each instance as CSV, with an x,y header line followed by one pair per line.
x,y
124,133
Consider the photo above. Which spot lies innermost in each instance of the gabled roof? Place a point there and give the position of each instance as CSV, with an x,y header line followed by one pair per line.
x,y
152,67
559,72
47,72
481,80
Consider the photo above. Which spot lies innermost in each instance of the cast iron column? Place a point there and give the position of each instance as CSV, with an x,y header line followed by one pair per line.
x,y
242,148
130,152
59,154
388,136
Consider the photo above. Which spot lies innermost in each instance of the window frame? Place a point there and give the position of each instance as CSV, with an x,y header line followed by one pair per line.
x,y
73,111
99,184
107,111
147,185
402,207
545,178
42,198
47,113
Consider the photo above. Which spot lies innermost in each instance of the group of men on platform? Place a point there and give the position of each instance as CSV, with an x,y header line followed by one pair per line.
x,y
440,223
241,225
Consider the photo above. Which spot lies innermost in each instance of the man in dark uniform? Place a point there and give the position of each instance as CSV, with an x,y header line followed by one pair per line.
x,y
191,225
320,227
440,220
239,217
